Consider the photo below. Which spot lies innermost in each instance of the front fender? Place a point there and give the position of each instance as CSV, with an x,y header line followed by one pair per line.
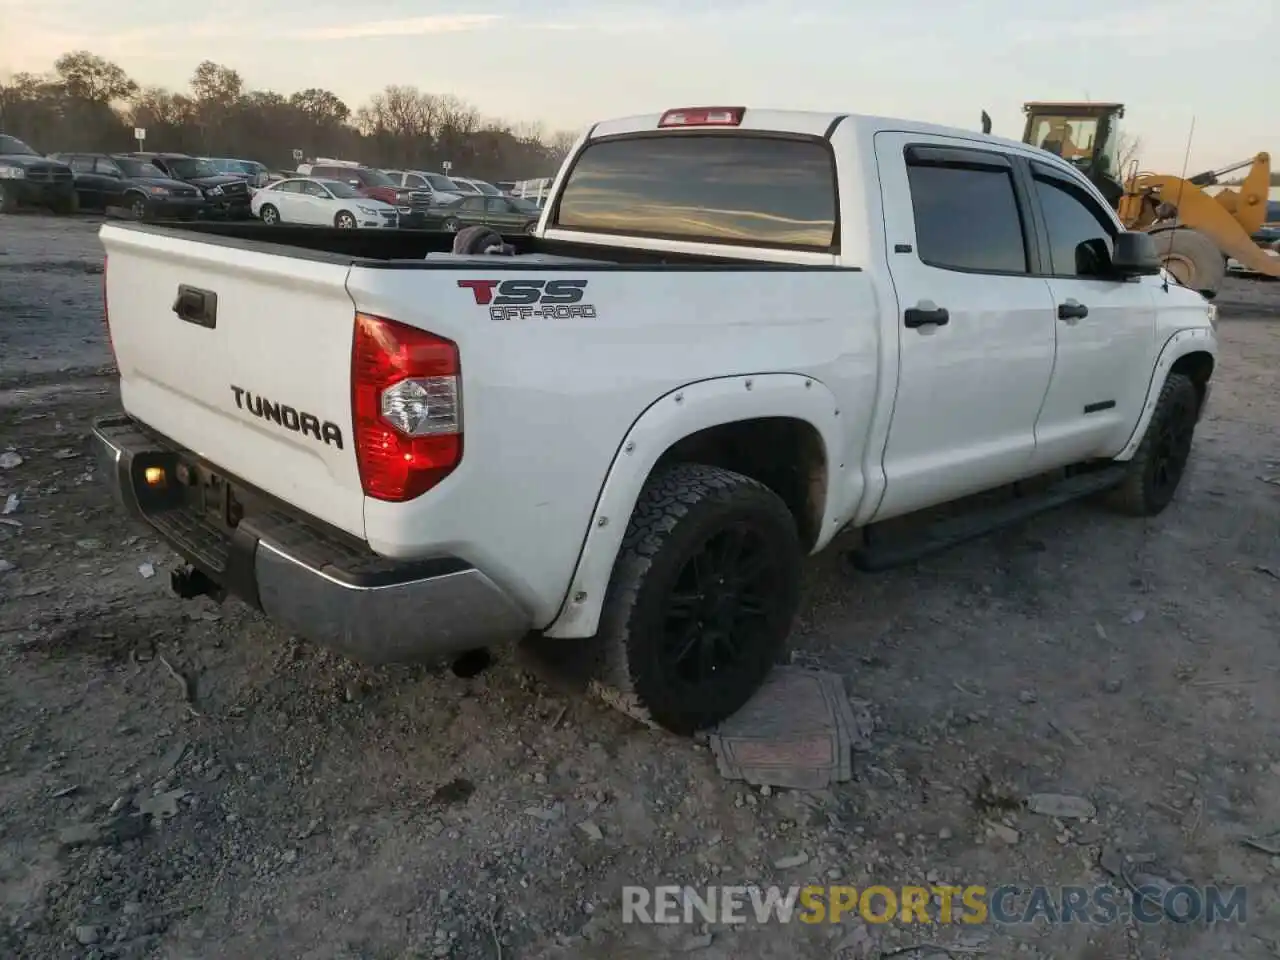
x,y
1192,340
671,418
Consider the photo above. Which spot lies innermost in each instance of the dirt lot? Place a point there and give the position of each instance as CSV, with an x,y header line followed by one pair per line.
x,y
302,807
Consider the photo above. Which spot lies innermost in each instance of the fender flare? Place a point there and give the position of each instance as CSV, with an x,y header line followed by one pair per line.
x,y
1193,340
669,419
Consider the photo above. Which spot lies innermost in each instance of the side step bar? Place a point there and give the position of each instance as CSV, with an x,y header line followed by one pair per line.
x,y
956,530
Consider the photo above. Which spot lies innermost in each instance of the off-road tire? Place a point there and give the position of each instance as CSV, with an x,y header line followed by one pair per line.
x,y
273,219
344,220
1169,435
680,510
1192,258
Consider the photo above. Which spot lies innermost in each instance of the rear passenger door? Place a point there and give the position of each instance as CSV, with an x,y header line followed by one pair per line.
x,y
975,323
1105,327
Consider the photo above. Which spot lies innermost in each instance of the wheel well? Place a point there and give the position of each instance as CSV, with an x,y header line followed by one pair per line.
x,y
785,454
1198,366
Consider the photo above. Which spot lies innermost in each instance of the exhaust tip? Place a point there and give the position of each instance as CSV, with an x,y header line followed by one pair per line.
x,y
472,663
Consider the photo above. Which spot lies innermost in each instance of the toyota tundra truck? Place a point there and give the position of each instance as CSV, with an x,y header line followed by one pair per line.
x,y
735,334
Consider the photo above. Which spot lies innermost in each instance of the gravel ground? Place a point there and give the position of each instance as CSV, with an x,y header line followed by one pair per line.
x,y
302,807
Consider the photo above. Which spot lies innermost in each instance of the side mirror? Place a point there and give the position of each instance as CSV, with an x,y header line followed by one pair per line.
x,y
1135,255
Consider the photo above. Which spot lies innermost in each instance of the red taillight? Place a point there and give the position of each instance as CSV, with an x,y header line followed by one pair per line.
x,y
406,406
703,117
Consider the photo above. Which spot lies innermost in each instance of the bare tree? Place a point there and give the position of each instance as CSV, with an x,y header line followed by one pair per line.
x,y
88,76
79,107
1128,149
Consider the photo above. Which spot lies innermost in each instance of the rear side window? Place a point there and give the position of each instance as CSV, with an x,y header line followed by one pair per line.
x,y
967,218
729,188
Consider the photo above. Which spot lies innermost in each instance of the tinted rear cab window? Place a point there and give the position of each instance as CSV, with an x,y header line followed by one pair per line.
x,y
739,188
967,218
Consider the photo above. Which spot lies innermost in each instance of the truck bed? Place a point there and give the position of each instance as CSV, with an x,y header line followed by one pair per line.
x,y
432,248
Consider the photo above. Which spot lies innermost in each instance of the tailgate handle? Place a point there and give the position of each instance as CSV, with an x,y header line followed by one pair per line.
x,y
196,306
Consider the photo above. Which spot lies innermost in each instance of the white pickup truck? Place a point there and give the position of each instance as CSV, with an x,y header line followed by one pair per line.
x,y
735,334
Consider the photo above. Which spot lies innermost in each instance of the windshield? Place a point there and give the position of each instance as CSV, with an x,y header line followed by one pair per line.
x,y
189,168
1073,139
464,187
376,178
13,147
343,191
488,189
439,181
138,168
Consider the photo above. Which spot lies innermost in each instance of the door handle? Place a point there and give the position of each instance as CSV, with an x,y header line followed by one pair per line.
x,y
1072,310
923,314
196,306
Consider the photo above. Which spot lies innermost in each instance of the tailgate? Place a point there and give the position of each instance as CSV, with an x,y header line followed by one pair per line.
x,y
254,375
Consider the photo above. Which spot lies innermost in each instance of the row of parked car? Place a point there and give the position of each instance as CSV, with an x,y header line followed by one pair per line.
x,y
148,185
162,186
350,195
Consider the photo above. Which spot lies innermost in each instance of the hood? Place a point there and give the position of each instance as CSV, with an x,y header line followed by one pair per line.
x,y
167,182
27,162
218,180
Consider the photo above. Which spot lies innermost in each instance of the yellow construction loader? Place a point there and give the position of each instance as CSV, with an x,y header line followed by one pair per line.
x,y
1194,231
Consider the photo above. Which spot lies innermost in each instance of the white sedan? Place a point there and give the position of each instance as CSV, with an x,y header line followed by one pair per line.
x,y
323,203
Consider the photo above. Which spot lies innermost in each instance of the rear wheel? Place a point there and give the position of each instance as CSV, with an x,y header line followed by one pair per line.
x,y
1157,468
1193,259
702,597
344,221
269,214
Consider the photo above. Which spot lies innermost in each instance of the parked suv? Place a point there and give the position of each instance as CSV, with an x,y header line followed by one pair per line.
x,y
376,185
28,177
105,180
228,196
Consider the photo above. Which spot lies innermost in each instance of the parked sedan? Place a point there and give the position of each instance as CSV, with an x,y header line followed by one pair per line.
x,y
325,203
503,214
107,180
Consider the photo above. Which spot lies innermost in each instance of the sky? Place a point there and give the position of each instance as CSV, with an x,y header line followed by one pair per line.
x,y
567,63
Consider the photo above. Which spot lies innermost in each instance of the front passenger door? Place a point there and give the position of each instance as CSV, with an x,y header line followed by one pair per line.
x,y
1105,328
975,324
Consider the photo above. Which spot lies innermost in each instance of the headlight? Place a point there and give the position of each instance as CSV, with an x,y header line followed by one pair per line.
x,y
369,211
12,173
1212,311
213,192
405,209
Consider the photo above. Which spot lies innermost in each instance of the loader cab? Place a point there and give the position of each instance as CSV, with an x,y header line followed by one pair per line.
x,y
1087,135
